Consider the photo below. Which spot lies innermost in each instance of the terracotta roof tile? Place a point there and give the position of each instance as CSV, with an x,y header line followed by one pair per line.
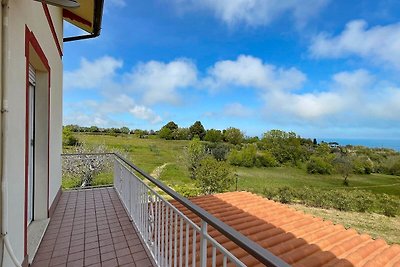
x,y
295,237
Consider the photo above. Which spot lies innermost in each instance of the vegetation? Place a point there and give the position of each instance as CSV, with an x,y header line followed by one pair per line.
x,y
213,176
376,225
278,161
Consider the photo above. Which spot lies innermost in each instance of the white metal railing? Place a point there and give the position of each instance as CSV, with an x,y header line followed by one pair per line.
x,y
171,237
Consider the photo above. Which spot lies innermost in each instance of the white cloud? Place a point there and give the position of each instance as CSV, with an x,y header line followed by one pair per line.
x,y
385,104
159,82
345,93
255,12
237,110
379,43
351,98
248,71
92,74
105,112
145,113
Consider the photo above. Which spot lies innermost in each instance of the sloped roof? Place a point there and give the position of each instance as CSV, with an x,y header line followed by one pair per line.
x,y
297,238
87,16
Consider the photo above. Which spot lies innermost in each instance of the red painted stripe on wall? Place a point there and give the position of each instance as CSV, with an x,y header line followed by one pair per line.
x,y
53,30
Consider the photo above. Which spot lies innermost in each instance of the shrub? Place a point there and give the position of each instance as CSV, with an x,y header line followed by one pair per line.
x,y
234,157
362,165
187,191
218,150
194,154
265,159
344,200
319,165
68,139
213,176
245,157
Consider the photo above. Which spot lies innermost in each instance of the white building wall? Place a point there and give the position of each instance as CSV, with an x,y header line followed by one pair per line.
x,y
30,13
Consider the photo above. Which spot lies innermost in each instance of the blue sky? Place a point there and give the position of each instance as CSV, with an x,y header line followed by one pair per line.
x,y
317,67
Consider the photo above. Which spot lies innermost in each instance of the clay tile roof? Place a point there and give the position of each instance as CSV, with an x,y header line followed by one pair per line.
x,y
297,238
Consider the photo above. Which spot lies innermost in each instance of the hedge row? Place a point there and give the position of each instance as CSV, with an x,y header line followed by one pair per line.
x,y
344,200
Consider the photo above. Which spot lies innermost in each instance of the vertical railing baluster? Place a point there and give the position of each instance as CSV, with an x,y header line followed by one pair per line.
x,y
214,256
171,224
187,246
176,240
224,261
166,234
203,244
181,243
159,232
194,248
162,234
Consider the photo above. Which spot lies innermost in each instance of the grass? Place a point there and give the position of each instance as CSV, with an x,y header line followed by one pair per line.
x,y
145,153
375,225
150,153
256,179
153,152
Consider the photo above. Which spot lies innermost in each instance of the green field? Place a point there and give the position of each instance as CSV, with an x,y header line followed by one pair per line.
x,y
150,153
255,179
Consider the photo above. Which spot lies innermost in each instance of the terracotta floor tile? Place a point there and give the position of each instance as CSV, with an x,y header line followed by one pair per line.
x,y
108,256
86,230
92,260
110,263
76,256
43,263
125,260
77,263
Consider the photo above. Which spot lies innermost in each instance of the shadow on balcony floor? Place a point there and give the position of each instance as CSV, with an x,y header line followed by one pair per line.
x,y
91,228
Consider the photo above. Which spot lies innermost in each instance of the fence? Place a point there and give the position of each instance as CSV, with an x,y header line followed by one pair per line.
x,y
171,237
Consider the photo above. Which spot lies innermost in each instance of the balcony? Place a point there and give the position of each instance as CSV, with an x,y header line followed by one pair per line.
x,y
131,224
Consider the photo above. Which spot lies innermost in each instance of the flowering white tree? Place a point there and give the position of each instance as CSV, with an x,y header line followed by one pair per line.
x,y
85,163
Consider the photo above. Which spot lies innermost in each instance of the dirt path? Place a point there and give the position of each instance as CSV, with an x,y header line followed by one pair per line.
x,y
156,173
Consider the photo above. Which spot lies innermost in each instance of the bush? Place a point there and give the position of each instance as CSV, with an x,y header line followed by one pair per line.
x,y
187,191
245,157
344,200
319,165
362,165
68,139
266,159
213,176
218,150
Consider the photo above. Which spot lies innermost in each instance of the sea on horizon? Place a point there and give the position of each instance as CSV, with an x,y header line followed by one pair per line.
x,y
372,143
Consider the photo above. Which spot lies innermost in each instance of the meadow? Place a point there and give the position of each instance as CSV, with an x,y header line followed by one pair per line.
x,y
151,153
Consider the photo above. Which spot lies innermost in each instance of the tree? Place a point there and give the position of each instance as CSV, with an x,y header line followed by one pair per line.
x,y
344,166
197,129
68,139
171,125
165,133
213,135
213,176
85,167
124,130
233,135
285,146
94,129
181,134
320,165
194,154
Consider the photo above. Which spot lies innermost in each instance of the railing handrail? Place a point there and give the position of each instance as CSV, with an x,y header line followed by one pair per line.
x,y
254,249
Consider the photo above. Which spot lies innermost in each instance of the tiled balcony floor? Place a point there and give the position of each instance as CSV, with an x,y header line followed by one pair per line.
x,y
91,228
